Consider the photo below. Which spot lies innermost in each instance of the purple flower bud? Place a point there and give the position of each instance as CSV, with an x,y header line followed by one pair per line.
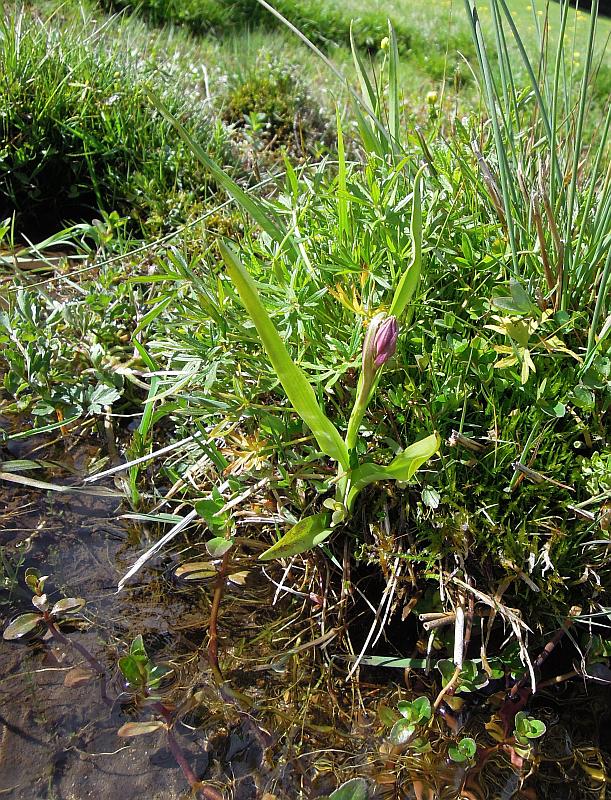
x,y
379,345
385,341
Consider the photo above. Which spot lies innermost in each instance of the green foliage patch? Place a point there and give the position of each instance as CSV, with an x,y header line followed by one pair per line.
x,y
77,133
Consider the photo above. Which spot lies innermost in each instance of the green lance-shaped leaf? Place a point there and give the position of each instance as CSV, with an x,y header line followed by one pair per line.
x,y
402,468
305,535
292,378
408,283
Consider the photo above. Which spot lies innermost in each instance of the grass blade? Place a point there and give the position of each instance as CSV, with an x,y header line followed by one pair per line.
x,y
342,199
408,282
394,107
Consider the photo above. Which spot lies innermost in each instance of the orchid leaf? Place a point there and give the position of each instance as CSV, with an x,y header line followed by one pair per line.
x,y
292,377
305,535
408,283
244,199
402,468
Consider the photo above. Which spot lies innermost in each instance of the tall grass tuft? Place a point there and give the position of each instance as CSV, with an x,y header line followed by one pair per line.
x,y
551,182
77,134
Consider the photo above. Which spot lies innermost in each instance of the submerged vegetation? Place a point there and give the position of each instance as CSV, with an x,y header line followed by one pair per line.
x,y
409,424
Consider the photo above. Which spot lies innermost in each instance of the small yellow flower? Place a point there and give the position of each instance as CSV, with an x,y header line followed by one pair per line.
x,y
432,98
385,43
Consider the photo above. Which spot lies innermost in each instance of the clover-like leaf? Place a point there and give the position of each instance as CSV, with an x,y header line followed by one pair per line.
x,y
463,751
422,707
471,677
528,727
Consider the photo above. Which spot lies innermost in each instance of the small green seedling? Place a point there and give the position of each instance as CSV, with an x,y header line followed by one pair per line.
x,y
218,521
143,678
471,677
35,623
527,728
463,751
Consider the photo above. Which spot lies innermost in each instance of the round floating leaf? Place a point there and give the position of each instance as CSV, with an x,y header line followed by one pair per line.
x,y
468,746
69,605
139,728
456,755
464,751
21,626
402,731
218,546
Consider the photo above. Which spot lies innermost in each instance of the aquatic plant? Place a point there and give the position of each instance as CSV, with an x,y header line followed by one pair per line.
x,y
144,681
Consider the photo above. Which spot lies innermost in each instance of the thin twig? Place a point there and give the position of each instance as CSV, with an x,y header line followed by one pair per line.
x,y
543,655
213,653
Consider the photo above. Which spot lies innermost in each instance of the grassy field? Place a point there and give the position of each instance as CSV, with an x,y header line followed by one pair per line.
x,y
377,305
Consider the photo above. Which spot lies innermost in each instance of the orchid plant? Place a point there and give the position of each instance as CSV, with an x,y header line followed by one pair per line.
x,y
379,346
